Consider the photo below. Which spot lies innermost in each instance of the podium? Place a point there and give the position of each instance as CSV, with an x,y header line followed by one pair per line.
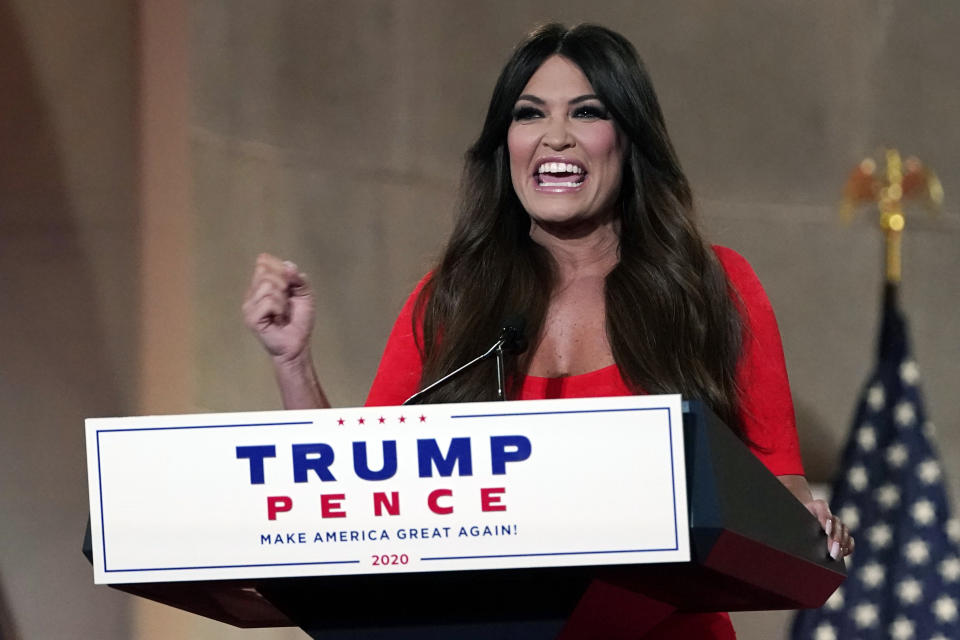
x,y
753,546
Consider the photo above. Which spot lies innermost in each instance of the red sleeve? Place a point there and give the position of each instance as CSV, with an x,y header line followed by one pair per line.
x,y
766,403
398,376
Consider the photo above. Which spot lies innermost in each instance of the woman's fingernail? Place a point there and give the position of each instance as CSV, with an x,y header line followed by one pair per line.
x,y
829,527
290,265
835,550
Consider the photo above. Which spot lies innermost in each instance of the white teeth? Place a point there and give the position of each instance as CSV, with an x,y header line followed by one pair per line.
x,y
562,184
559,167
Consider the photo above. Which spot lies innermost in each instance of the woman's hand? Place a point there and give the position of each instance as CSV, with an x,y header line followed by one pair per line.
x,y
839,541
279,308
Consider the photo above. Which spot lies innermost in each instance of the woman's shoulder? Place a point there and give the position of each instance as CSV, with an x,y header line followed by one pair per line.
x,y
733,263
398,375
741,275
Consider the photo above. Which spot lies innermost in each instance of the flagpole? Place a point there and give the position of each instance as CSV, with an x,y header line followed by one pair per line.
x,y
892,220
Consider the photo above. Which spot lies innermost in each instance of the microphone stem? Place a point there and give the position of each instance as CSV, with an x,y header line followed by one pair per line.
x,y
497,346
501,375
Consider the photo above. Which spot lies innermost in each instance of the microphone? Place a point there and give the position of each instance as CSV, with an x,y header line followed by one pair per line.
x,y
512,340
513,335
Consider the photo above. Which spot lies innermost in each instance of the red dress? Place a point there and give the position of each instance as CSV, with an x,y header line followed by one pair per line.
x,y
766,407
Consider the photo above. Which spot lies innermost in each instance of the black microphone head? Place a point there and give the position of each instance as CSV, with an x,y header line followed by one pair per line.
x,y
514,335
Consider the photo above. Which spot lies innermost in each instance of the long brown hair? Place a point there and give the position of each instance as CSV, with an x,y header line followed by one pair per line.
x,y
672,322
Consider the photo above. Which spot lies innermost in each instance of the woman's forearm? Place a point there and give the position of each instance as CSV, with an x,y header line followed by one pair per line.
x,y
798,486
298,383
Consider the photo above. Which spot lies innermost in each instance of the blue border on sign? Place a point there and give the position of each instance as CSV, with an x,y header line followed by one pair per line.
x,y
103,531
237,566
673,484
552,553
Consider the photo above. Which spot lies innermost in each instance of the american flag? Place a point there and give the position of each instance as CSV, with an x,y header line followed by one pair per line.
x,y
904,576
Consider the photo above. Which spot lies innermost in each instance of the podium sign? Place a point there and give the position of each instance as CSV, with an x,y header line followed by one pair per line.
x,y
450,487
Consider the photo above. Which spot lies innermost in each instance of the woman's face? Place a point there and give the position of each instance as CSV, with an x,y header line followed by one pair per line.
x,y
566,153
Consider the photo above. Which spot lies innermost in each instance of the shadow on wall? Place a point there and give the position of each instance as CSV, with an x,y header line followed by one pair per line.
x,y
54,371
7,629
819,463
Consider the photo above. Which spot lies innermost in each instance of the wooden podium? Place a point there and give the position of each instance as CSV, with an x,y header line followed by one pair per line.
x,y
753,546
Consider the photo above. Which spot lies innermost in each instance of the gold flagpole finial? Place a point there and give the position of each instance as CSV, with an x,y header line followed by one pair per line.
x,y
907,179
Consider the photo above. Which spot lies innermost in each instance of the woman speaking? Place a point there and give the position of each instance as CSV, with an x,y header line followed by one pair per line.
x,y
575,214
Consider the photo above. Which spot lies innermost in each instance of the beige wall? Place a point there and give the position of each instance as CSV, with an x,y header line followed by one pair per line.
x,y
332,133
68,293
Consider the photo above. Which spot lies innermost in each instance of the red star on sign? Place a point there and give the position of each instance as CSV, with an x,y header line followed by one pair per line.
x,y
360,421
423,418
340,422
382,419
402,419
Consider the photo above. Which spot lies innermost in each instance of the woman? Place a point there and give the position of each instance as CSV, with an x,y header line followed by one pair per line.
x,y
574,212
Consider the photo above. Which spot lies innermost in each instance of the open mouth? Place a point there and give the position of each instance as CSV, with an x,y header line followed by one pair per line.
x,y
559,175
